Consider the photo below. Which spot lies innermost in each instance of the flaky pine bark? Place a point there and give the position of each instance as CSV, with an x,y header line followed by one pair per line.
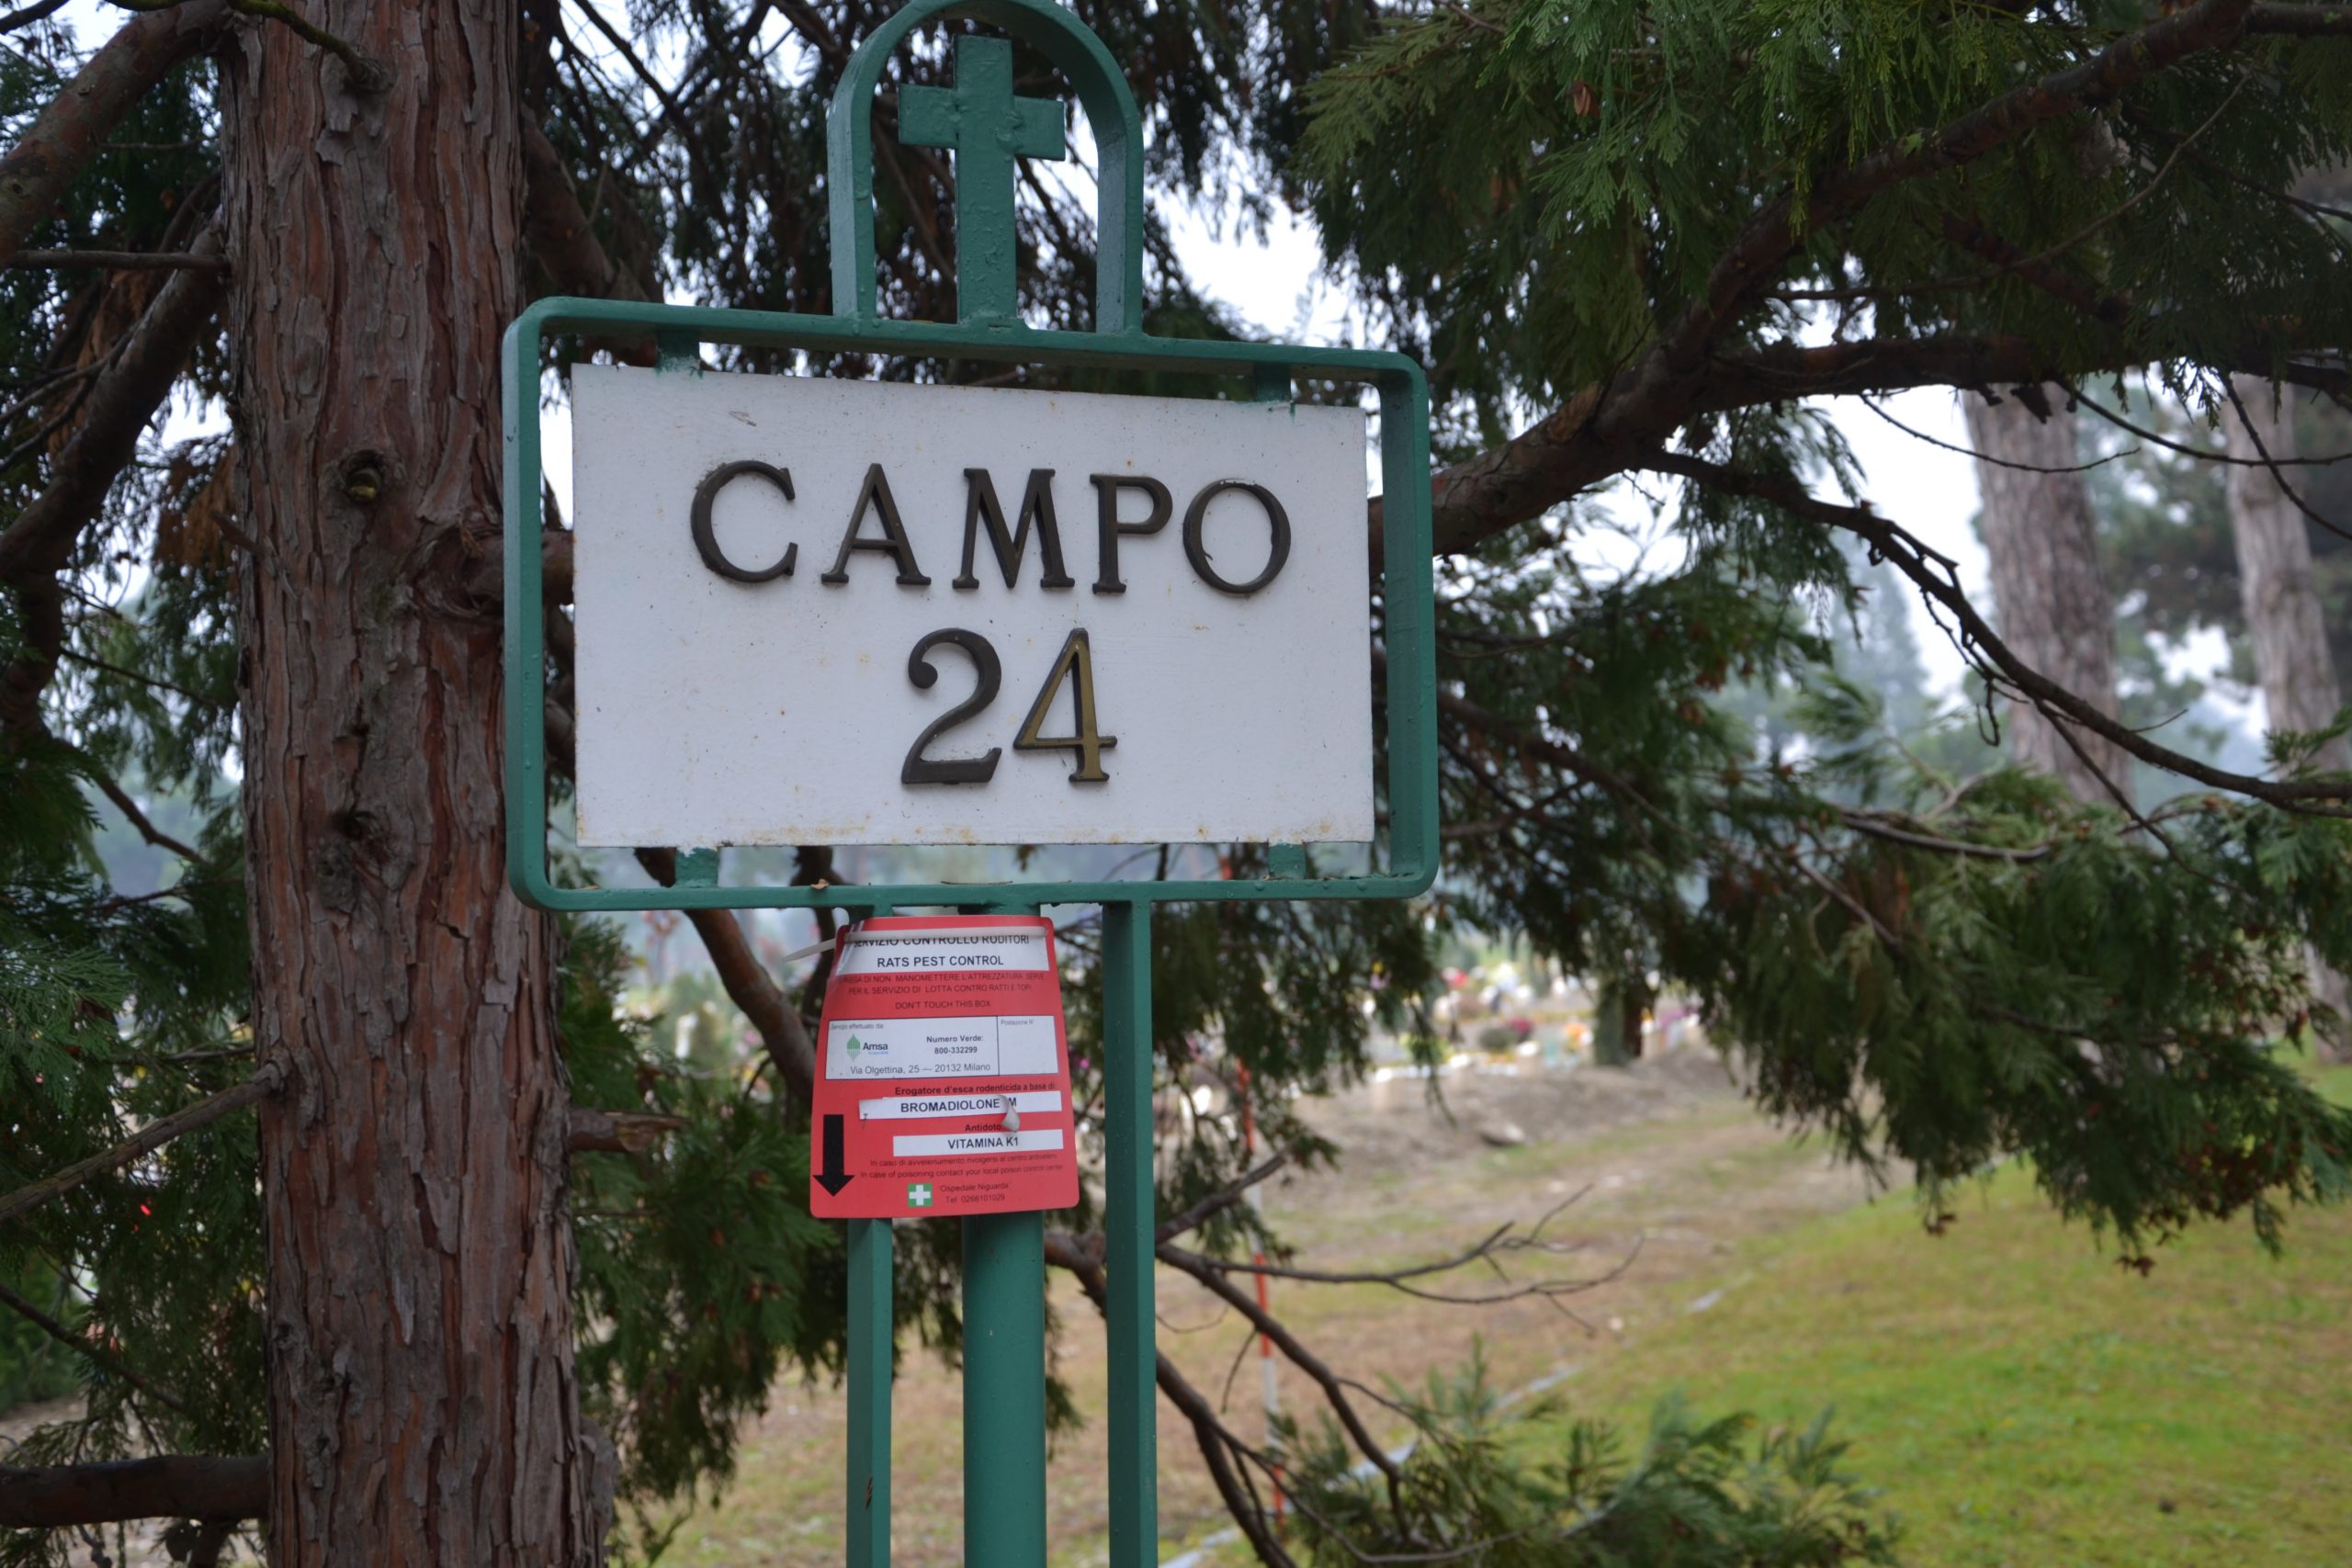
x,y
419,1327
2282,610
2053,602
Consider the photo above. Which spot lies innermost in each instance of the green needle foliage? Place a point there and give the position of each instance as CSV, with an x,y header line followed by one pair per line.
x,y
1641,236
1695,1494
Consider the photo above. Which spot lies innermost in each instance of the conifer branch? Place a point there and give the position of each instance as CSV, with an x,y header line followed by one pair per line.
x,y
1993,656
84,1345
1775,233
563,242
1591,435
2033,267
132,815
37,544
267,1081
2301,21
25,16
367,73
75,125
170,1486
1981,241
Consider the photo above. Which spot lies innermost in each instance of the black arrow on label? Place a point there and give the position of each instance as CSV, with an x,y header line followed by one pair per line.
x,y
829,1175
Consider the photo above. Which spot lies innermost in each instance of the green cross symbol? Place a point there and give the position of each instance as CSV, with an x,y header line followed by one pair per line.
x,y
987,127
918,1195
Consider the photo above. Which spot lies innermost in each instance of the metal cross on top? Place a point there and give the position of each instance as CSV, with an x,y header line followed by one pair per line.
x,y
987,127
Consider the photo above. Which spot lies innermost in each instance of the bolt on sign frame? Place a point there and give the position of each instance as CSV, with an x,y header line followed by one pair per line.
x,y
1004,1446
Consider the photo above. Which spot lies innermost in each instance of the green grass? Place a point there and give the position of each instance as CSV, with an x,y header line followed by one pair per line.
x,y
2020,1399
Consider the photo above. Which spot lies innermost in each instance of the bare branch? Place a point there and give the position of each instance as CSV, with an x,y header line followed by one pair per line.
x,y
1875,824
618,1132
1304,1359
1218,1445
2277,474
1217,1203
1785,371
82,1344
264,1082
2202,454
1497,1243
1983,457
2317,796
748,984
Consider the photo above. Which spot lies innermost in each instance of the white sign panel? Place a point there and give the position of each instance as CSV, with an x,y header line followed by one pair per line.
x,y
827,611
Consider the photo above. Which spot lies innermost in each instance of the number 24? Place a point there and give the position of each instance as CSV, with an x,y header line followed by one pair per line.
x,y
1075,664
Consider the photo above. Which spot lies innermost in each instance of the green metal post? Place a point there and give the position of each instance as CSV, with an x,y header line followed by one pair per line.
x,y
1130,1220
868,1493
1004,1391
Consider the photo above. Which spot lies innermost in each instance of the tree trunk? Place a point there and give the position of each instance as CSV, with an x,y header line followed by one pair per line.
x,y
2274,580
1617,1017
2053,605
418,1295
2282,609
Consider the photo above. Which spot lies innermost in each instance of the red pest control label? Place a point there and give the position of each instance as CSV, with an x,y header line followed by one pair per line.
x,y
943,1072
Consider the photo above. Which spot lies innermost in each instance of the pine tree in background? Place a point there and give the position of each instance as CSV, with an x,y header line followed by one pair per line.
x,y
523,1268
2281,592
2049,599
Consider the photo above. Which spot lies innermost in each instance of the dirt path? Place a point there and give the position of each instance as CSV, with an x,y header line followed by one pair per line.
x,y
1676,1176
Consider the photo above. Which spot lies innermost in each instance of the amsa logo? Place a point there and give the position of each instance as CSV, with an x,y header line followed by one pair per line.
x,y
866,1049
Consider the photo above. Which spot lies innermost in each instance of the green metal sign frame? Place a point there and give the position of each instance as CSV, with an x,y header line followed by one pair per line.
x,y
986,127
985,281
